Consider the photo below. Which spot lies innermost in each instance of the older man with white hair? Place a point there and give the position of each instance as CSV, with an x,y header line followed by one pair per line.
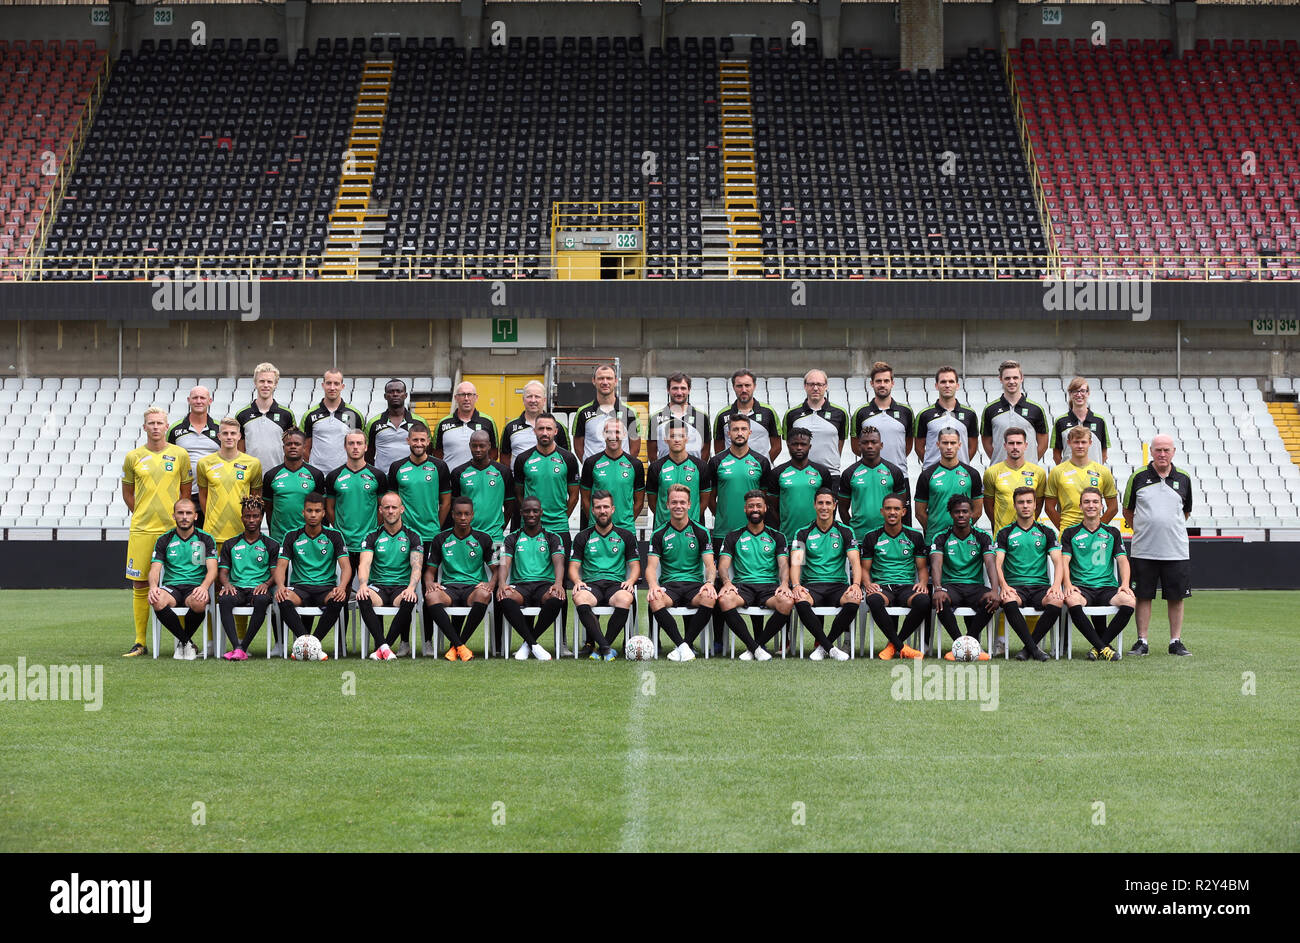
x,y
451,439
1157,503
518,435
196,433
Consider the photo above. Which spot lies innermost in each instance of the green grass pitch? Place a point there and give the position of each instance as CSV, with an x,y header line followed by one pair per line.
x,y
1151,754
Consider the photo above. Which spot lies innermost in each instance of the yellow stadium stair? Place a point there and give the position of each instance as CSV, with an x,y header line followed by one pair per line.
x,y
431,412
1286,416
355,237
739,172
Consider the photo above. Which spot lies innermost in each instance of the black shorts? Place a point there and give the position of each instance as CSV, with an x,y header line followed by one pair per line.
x,y
968,595
1173,576
1097,595
244,596
533,593
826,594
387,596
680,595
1031,597
756,594
311,595
179,593
897,594
603,590
459,593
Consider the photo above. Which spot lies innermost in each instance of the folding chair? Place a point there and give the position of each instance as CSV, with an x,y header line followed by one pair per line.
x,y
684,613
866,625
460,612
387,612
311,612
181,613
629,628
822,612
761,612
1105,612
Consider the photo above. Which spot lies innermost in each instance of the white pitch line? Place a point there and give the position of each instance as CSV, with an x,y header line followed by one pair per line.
x,y
632,839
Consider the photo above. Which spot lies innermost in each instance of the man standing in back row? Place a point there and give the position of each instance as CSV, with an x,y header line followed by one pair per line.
x,y
679,411
760,415
327,423
945,413
518,437
1010,409
589,420
263,422
451,440
1157,503
825,422
893,421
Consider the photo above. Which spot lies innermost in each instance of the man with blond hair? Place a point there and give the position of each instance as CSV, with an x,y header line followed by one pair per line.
x,y
225,478
263,422
154,477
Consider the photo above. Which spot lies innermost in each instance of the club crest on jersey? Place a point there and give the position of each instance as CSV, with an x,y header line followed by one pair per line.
x,y
306,485
1093,480
428,477
168,466
690,544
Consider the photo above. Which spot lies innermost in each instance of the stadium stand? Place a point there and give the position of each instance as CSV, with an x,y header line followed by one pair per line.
x,y
44,87
215,153
1180,167
862,119
1201,413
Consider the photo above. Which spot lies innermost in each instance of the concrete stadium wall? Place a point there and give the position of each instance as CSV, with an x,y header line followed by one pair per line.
x,y
867,25
653,347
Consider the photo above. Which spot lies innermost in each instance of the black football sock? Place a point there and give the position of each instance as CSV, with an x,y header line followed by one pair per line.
x,y
775,623
1084,625
329,613
615,625
813,623
736,622
171,622
1045,622
1117,625
949,622
1017,622
374,625
476,612
550,612
918,609
260,605
843,621
697,624
514,614
194,622
884,621
400,627
589,622
289,616
441,618
668,625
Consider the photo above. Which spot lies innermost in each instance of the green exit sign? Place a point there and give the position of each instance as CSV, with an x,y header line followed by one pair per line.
x,y
505,330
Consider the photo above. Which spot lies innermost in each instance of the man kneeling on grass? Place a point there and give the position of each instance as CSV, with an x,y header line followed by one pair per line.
x,y
757,556
1092,551
183,569
531,573
893,574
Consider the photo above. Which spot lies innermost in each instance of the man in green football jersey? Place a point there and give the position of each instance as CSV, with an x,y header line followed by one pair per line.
x,y
489,485
284,488
678,467
531,573
864,484
352,495
893,574
458,572
316,552
550,474
246,571
755,570
1092,552
793,485
826,570
961,558
617,472
423,483
938,482
392,562
680,572
604,571
1023,550
731,474
183,569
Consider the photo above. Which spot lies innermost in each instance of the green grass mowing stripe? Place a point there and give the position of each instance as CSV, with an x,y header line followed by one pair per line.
x,y
577,757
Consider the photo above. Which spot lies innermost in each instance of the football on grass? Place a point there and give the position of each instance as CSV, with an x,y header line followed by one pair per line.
x,y
640,648
306,648
966,648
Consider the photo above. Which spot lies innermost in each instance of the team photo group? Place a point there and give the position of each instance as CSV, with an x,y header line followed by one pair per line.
x,y
308,519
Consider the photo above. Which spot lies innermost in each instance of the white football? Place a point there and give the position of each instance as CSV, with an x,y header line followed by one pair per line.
x,y
306,648
966,648
640,648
